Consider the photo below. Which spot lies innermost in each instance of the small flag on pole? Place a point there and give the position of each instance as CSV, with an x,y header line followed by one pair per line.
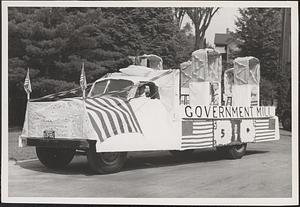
x,y
83,84
27,85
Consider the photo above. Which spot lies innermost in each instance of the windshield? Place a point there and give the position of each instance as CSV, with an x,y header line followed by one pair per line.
x,y
112,87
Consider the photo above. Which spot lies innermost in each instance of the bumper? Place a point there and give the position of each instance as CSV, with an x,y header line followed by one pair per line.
x,y
56,143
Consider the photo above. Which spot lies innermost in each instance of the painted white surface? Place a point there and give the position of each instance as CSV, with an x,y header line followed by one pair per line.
x,y
241,95
159,130
199,93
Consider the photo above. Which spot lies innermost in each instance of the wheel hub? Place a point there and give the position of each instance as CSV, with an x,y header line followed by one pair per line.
x,y
239,148
109,157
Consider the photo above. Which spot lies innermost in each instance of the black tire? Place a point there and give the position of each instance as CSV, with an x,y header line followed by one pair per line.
x,y
182,154
106,162
287,123
237,151
55,158
232,151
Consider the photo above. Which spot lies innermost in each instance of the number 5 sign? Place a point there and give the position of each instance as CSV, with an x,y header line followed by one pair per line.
x,y
227,131
222,132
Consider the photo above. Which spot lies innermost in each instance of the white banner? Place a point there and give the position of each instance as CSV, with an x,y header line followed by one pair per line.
x,y
220,112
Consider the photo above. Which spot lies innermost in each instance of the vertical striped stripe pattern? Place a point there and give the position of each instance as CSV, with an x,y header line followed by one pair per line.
x,y
263,130
197,134
111,116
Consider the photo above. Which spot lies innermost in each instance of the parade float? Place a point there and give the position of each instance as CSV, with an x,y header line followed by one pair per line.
x,y
144,107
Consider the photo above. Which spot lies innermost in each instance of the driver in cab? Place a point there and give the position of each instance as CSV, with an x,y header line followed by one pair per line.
x,y
144,91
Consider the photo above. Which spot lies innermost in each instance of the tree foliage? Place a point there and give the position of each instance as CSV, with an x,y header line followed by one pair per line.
x,y
54,41
259,30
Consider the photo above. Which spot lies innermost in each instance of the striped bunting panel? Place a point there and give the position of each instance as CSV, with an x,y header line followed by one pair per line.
x,y
111,116
264,130
197,134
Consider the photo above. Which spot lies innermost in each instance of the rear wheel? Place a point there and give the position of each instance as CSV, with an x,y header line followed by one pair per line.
x,y
106,162
237,151
233,151
55,158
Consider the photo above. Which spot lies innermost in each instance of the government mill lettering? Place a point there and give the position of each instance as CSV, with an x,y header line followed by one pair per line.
x,y
217,112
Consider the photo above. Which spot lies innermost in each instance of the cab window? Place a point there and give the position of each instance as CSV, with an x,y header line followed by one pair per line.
x,y
114,87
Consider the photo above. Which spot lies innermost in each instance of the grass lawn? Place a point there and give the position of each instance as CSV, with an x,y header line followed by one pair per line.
x,y
15,152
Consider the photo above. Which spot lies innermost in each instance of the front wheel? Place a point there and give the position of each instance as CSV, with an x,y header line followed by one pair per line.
x,y
55,158
106,162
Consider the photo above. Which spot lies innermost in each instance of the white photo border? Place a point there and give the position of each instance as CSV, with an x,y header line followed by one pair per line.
x,y
294,200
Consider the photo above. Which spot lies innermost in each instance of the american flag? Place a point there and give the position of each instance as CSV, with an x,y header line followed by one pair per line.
x,y
264,130
27,84
111,116
197,134
82,81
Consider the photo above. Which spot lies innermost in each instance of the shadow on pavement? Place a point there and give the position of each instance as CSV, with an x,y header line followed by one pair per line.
x,y
251,152
80,165
169,160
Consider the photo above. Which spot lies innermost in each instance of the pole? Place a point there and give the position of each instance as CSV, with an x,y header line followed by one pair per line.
x,y
83,94
27,87
83,116
180,86
28,109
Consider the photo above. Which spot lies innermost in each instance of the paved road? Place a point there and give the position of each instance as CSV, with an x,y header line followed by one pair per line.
x,y
265,171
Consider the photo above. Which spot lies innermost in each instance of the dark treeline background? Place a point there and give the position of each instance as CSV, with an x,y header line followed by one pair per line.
x,y
53,43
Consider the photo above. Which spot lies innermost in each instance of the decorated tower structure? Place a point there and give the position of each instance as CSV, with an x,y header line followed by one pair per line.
x,y
241,83
205,84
